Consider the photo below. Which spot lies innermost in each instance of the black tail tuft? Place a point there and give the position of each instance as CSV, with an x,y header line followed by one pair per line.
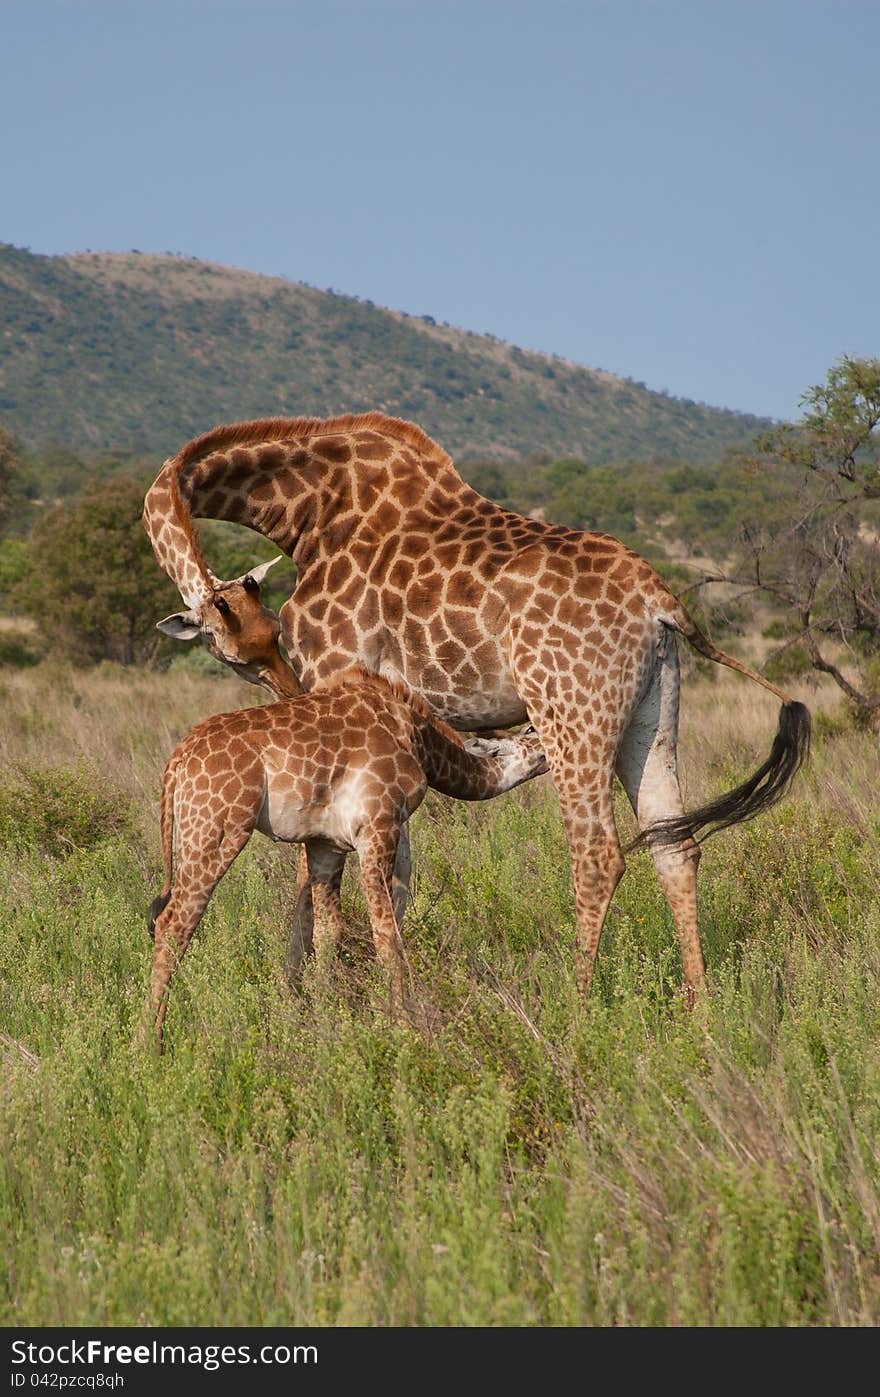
x,y
157,906
791,747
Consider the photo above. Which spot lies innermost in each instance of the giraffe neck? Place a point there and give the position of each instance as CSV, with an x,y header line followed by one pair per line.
x,y
454,771
302,482
168,522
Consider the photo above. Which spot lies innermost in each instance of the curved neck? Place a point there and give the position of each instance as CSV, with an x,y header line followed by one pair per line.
x,y
304,494
454,771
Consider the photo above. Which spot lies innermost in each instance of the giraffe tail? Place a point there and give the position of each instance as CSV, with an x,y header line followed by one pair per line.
x,y
166,834
761,790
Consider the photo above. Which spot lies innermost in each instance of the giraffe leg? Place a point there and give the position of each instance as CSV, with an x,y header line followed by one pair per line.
x,y
199,872
597,867
377,854
648,769
301,940
402,875
325,867
580,757
304,933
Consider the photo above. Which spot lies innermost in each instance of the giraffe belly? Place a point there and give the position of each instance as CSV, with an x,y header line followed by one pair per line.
x,y
289,819
460,670
498,708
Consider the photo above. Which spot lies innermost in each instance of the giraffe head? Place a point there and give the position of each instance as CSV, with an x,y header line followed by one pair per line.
x,y
239,630
521,755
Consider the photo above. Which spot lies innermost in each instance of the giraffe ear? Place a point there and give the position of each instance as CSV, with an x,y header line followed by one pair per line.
x,y
183,625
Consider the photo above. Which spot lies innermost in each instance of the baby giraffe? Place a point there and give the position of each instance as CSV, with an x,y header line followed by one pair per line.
x,y
338,769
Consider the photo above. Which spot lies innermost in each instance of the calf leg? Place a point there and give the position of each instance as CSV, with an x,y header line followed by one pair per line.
x,y
402,874
303,931
199,872
376,851
325,868
301,941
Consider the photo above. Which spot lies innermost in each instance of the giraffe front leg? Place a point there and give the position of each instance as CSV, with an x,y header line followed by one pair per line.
x,y
325,868
302,929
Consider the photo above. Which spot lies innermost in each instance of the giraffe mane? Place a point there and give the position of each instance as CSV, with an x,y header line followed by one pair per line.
x,y
264,429
357,676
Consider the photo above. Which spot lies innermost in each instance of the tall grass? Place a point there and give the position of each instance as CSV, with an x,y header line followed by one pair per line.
x,y
519,1157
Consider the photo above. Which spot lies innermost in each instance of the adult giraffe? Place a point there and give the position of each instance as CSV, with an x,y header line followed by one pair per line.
x,y
491,617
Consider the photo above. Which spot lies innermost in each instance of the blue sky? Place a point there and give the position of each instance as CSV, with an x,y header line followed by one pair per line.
x,y
685,193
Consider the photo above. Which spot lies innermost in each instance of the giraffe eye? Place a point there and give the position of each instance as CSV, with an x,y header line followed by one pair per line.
x,y
222,605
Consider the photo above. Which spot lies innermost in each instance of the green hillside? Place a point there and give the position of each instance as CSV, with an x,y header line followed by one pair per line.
x,y
136,353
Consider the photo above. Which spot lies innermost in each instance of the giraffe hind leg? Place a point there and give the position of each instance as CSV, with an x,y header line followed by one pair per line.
x,y
597,866
580,760
198,874
648,769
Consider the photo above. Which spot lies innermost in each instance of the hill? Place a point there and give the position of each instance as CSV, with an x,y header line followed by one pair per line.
x,y
136,353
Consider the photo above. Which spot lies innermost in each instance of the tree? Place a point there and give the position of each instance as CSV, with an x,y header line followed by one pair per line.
x,y
97,589
820,557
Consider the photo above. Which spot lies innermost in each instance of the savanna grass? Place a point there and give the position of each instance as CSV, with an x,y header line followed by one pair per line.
x,y
514,1158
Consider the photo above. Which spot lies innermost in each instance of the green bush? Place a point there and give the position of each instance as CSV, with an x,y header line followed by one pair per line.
x,y
788,664
61,808
17,648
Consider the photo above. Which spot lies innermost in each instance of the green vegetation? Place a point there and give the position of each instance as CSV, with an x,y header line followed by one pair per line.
x,y
520,1158
93,581
9,464
136,354
55,809
820,559
661,508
